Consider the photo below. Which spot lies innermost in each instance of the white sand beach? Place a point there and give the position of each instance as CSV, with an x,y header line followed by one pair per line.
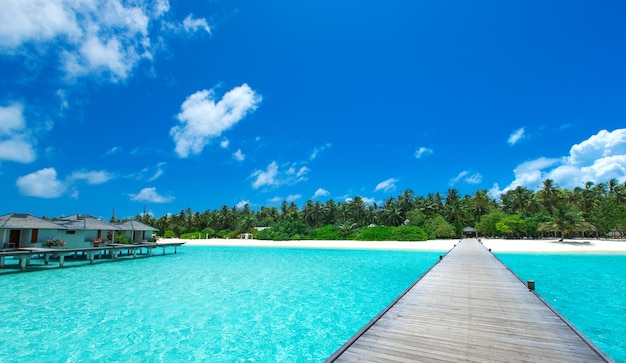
x,y
496,245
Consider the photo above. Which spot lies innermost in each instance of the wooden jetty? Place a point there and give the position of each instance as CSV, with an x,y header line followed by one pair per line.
x,y
114,251
469,307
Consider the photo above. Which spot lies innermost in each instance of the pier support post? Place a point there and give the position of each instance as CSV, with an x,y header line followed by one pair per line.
x,y
163,250
23,262
175,249
134,253
46,258
150,252
61,260
1,261
90,254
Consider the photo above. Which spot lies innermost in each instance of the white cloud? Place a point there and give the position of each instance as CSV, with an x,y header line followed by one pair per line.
x,y
192,25
457,178
224,143
242,204
151,173
150,195
387,185
42,183
91,37
202,119
293,197
267,177
475,178
14,138
598,159
321,193
466,177
318,150
238,155
274,177
114,150
516,136
276,199
423,151
92,177
45,183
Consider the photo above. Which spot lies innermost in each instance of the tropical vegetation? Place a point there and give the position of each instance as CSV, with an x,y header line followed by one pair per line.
x,y
597,210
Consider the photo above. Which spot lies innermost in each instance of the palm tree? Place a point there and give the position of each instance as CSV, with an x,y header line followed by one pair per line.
x,y
549,194
406,201
391,214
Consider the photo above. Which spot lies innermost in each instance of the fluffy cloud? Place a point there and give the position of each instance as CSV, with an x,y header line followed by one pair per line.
x,y
387,185
42,184
150,195
192,25
516,136
598,159
466,177
321,193
14,138
202,118
242,204
238,155
423,151
45,183
102,37
272,176
92,177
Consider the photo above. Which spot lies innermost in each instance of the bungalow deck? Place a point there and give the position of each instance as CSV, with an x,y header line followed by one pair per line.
x,y
114,251
469,308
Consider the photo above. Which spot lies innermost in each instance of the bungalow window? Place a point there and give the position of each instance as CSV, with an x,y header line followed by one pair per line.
x,y
70,232
34,236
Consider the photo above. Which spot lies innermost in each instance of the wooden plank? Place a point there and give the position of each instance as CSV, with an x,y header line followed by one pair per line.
x,y
469,308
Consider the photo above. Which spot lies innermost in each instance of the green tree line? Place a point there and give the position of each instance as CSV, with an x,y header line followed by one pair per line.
x,y
596,210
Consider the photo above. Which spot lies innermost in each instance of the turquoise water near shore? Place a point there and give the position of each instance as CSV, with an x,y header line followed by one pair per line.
x,y
204,304
589,290
237,304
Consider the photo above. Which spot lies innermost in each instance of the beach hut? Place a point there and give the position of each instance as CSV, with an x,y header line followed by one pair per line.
x,y
83,230
136,231
469,232
22,230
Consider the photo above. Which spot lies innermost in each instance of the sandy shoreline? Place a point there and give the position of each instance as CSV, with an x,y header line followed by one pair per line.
x,y
496,245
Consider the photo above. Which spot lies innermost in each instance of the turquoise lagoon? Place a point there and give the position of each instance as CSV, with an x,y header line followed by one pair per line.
x,y
204,304
214,304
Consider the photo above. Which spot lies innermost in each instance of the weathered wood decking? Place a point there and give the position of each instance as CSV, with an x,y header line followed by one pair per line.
x,y
469,308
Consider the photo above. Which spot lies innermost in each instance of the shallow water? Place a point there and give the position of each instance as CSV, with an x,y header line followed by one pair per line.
x,y
589,290
203,304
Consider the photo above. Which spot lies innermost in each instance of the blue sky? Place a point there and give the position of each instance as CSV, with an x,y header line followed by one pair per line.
x,y
169,105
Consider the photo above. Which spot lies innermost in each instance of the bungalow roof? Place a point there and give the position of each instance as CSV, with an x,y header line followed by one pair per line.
x,y
26,221
86,222
135,226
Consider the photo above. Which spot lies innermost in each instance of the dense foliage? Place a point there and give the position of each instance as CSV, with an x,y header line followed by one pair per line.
x,y
592,210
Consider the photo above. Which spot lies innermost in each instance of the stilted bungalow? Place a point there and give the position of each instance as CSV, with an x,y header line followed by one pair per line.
x,y
22,230
83,230
136,231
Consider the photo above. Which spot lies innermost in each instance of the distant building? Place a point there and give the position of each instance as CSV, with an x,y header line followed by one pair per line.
x,y
22,230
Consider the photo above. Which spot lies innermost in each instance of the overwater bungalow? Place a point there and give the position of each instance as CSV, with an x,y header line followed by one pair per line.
x,y
22,230
83,230
136,231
